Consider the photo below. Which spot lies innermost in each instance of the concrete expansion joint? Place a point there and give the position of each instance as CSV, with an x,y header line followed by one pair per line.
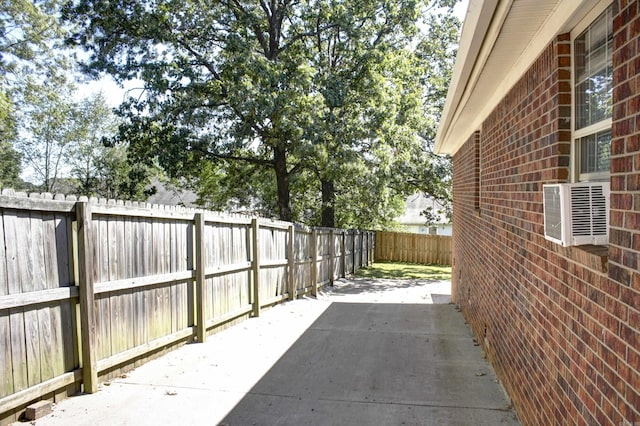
x,y
505,408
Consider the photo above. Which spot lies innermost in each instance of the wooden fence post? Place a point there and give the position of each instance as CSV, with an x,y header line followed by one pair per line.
x,y
353,251
343,254
292,263
368,253
332,259
87,298
395,252
314,263
200,264
255,266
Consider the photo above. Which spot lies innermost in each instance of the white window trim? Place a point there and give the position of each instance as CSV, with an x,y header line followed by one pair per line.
x,y
576,134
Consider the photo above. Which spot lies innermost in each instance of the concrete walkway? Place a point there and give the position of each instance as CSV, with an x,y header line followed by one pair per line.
x,y
365,352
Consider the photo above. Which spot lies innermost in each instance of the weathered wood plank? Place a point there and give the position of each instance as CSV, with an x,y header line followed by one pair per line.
x,y
101,273
255,299
156,293
66,236
52,327
137,302
291,262
200,299
128,243
140,212
145,281
144,349
175,288
23,300
24,203
88,327
314,263
6,374
13,233
115,305
6,377
26,395
42,361
32,275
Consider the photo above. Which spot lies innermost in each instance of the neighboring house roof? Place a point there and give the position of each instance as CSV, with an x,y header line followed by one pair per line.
x,y
499,42
170,195
416,204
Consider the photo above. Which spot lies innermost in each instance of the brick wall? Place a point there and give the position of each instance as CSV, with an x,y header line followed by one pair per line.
x,y
560,325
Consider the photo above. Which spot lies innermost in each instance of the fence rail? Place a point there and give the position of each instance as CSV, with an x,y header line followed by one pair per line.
x,y
88,287
413,248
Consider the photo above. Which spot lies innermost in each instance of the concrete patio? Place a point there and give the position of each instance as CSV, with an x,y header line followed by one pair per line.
x,y
365,352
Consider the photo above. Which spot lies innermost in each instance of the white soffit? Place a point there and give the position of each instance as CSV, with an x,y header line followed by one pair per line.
x,y
500,40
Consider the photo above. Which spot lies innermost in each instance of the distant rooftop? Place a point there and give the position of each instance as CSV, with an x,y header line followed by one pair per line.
x,y
416,204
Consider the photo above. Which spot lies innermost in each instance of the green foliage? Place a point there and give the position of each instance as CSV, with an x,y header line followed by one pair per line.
x,y
49,122
236,187
9,166
309,110
101,170
29,36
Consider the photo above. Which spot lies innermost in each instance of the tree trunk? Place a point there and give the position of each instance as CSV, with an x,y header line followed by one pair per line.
x,y
283,180
328,218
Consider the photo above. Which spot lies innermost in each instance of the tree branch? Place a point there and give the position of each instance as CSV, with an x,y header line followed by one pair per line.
x,y
217,156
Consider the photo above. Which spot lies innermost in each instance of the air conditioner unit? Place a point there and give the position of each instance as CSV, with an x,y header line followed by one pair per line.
x,y
577,213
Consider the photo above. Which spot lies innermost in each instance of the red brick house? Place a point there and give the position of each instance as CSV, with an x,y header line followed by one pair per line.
x,y
547,92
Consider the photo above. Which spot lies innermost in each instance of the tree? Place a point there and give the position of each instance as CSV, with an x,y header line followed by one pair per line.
x,y
9,166
382,86
237,187
9,157
31,63
236,81
222,81
105,170
29,36
50,125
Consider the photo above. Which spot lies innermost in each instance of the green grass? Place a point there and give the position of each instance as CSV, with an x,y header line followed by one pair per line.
x,y
405,271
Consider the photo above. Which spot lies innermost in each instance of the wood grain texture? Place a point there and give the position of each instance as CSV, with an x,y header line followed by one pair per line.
x,y
87,317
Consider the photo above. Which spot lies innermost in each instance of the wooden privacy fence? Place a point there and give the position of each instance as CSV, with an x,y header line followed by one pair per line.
x,y
413,248
88,287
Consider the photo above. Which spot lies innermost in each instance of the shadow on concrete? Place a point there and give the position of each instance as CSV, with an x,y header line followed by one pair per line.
x,y
379,364
379,287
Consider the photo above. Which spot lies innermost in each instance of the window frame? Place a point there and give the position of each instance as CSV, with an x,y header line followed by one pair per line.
x,y
592,129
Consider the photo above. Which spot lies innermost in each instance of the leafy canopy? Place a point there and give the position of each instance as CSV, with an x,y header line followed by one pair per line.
x,y
288,95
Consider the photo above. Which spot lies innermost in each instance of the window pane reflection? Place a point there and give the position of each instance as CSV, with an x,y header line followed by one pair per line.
x,y
595,152
594,73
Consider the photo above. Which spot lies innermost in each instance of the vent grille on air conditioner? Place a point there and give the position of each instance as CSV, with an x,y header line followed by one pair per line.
x,y
576,214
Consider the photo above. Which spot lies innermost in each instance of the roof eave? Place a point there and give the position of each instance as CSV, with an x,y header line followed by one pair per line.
x,y
483,25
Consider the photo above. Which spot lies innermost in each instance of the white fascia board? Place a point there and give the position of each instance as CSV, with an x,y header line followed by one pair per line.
x,y
455,128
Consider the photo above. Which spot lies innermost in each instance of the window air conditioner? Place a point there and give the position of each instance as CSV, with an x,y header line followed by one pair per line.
x,y
577,213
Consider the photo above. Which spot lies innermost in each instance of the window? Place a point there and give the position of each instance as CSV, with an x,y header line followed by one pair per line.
x,y
592,98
